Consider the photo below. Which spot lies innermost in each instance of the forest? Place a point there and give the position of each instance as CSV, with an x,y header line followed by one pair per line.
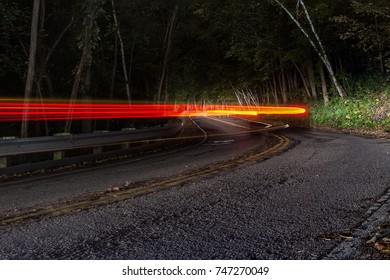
x,y
332,55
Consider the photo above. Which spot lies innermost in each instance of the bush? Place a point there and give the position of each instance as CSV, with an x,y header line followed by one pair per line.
x,y
366,107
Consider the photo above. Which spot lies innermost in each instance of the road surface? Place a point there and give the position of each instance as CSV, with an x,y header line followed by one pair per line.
x,y
318,197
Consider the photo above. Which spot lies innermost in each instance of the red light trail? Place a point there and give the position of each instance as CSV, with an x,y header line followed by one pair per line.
x,y
13,110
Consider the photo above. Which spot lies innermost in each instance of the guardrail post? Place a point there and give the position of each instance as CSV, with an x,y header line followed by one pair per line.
x,y
57,155
4,160
126,145
99,149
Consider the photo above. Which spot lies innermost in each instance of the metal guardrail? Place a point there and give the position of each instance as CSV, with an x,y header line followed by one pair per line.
x,y
68,142
96,140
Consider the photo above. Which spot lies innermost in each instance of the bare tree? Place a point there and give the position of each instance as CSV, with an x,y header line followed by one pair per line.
x,y
42,71
323,83
113,72
315,41
31,66
44,55
283,85
86,56
167,49
310,72
304,82
122,50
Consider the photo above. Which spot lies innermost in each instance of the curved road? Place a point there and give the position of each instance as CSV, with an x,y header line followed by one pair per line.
x,y
220,139
321,198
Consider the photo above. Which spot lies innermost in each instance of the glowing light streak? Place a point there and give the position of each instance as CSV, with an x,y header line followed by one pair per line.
x,y
14,110
231,112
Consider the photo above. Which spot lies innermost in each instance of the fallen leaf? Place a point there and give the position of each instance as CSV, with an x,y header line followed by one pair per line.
x,y
372,240
382,248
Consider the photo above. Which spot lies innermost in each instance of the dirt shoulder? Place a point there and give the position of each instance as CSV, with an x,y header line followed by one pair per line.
x,y
305,122
358,132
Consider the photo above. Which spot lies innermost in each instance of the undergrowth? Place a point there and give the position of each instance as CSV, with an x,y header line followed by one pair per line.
x,y
367,106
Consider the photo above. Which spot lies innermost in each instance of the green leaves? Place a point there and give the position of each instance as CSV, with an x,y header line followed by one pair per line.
x,y
367,108
14,26
368,27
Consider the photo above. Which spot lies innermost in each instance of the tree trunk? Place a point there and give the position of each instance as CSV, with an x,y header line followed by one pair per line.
x,y
319,48
267,96
44,59
75,88
303,79
31,66
113,72
42,69
290,84
122,51
113,75
283,86
310,71
131,58
85,59
39,71
295,79
323,54
49,84
86,126
168,44
166,93
275,89
323,83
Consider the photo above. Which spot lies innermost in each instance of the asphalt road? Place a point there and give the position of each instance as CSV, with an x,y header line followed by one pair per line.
x,y
312,201
214,147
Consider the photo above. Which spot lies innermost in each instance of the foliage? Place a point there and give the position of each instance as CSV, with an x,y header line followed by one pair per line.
x,y
218,46
14,26
368,27
368,106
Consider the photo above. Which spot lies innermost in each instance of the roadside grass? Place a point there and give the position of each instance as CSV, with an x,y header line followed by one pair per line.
x,y
364,108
